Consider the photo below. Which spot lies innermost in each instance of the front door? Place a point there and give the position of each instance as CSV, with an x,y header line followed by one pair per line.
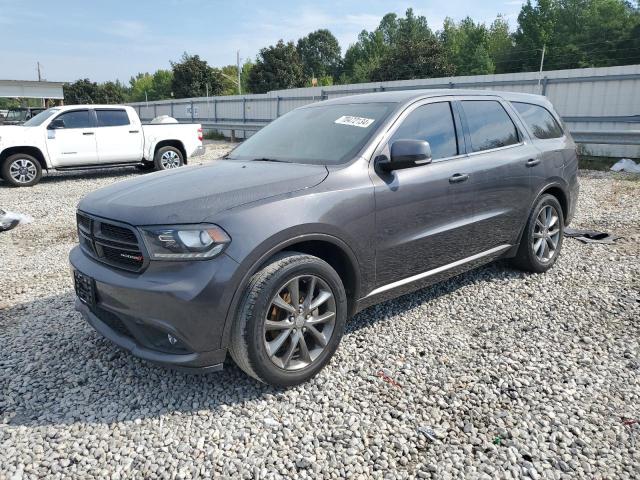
x,y
424,214
73,141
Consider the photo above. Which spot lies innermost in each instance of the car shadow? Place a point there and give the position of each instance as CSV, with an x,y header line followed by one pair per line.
x,y
59,176
55,369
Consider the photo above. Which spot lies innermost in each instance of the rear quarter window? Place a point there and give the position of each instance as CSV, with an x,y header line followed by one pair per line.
x,y
539,120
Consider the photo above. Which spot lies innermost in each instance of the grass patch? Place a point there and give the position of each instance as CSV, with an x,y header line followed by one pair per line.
x,y
213,135
591,162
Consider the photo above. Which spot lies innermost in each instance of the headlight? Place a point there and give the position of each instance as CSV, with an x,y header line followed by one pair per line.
x,y
183,242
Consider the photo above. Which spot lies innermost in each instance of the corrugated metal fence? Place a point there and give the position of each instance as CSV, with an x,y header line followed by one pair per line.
x,y
601,106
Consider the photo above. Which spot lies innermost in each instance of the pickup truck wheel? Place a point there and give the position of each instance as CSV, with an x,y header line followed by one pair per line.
x,y
542,237
291,320
167,158
21,170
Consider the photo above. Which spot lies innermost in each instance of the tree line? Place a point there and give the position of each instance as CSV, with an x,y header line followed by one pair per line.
x,y
574,34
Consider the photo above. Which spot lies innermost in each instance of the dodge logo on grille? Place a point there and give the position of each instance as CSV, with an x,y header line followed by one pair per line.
x,y
137,258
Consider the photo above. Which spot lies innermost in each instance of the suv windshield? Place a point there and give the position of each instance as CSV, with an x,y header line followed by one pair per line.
x,y
325,135
41,117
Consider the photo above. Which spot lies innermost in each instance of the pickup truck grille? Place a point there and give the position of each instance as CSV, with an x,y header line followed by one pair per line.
x,y
110,243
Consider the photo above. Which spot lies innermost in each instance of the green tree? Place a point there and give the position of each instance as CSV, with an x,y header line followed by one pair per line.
x,y
80,92
467,47
320,54
364,56
192,77
576,33
244,76
111,93
277,67
415,51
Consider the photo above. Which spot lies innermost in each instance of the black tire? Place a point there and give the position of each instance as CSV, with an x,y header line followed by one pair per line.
x,y
21,170
248,338
162,163
528,257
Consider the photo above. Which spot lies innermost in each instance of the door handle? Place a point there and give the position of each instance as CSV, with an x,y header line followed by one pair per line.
x,y
87,133
134,131
459,178
532,162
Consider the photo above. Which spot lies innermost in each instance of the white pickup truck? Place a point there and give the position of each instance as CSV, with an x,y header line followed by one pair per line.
x,y
92,136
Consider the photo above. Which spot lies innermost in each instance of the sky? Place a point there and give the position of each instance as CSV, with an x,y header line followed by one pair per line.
x,y
115,39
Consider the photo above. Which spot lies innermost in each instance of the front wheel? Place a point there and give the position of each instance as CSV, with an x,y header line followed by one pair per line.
x,y
542,237
167,158
291,320
21,170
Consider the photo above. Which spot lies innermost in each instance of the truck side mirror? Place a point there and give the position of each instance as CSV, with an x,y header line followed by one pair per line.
x,y
55,124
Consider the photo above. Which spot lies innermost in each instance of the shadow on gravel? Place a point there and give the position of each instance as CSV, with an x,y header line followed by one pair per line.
x,y
58,177
55,369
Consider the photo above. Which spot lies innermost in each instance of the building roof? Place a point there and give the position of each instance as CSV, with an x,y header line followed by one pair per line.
x,y
30,89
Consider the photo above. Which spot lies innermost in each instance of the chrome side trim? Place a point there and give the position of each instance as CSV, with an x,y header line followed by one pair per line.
x,y
428,273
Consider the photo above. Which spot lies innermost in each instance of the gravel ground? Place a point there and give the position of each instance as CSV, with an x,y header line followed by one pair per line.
x,y
494,374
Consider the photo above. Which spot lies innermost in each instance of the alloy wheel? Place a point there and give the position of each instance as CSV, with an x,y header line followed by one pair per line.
x,y
23,170
546,234
170,159
299,322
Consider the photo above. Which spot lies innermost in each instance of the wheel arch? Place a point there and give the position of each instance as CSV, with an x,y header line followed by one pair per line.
x,y
171,143
324,246
35,152
558,189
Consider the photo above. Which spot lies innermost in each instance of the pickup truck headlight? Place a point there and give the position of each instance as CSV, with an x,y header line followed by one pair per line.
x,y
185,242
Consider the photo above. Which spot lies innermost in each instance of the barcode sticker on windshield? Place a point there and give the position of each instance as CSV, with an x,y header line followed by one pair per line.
x,y
355,121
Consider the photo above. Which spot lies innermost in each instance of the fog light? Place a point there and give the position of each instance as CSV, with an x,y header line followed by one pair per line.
x,y
172,340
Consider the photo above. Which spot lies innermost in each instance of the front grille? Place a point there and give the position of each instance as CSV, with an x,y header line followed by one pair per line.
x,y
118,233
111,243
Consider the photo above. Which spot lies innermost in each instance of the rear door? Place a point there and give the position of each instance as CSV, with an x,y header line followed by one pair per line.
x,y
119,138
424,215
73,143
500,157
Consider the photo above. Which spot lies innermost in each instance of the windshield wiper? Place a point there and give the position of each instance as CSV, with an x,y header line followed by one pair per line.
x,y
264,159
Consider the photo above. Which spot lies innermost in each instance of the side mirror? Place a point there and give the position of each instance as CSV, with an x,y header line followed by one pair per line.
x,y
407,154
57,123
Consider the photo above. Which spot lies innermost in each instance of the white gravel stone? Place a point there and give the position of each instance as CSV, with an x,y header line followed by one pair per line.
x,y
516,375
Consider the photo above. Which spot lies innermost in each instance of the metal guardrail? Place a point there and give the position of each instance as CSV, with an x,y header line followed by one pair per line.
x,y
608,137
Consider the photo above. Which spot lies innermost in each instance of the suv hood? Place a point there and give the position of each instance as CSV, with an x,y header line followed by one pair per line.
x,y
191,194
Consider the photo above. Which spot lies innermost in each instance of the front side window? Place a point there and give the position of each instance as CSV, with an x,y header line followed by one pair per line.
x,y
489,125
112,118
321,135
75,119
539,120
434,123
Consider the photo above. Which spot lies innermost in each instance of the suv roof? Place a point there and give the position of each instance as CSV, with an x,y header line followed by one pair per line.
x,y
409,96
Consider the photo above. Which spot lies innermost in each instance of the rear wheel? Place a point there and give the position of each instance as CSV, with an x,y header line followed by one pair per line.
x,y
542,238
167,158
291,320
21,170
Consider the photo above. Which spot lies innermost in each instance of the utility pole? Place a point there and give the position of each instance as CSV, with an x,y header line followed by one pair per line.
x,y
40,79
238,65
544,47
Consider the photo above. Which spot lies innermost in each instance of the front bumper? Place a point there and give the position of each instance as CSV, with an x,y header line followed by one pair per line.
x,y
138,311
199,151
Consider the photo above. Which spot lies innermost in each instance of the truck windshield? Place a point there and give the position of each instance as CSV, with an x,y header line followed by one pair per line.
x,y
41,117
323,134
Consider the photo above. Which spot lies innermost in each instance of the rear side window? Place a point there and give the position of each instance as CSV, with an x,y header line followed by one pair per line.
x,y
539,120
489,125
433,123
75,119
112,118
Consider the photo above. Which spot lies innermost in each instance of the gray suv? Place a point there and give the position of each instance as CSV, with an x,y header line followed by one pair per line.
x,y
329,209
